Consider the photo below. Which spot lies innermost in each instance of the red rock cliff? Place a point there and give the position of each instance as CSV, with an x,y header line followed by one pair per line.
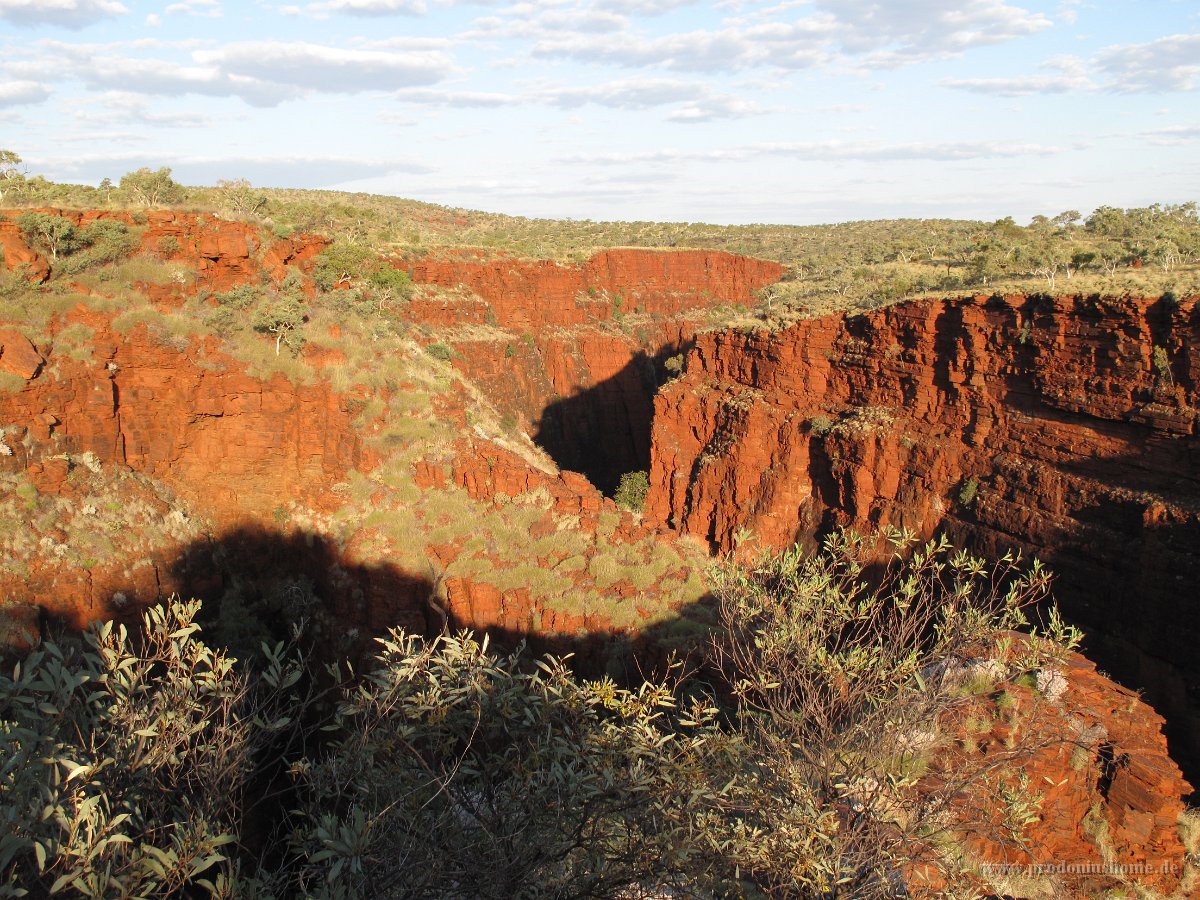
x,y
575,351
532,294
1064,427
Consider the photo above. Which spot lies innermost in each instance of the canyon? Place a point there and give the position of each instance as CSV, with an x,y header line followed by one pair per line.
x,y
1062,427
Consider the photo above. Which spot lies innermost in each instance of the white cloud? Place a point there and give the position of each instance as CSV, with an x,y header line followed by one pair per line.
x,y
123,108
863,33
696,51
458,99
20,93
896,32
322,68
943,151
265,170
632,93
262,73
367,8
1059,76
64,13
713,108
643,7
153,20
1173,135
207,8
700,102
1068,11
1167,64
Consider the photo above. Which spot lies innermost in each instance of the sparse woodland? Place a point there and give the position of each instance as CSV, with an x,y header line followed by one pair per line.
x,y
847,266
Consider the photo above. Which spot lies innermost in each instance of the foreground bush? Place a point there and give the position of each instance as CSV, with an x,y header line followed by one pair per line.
x,y
460,775
845,670
122,762
154,766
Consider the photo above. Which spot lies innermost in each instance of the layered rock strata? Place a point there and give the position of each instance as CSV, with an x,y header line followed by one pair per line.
x,y
1066,428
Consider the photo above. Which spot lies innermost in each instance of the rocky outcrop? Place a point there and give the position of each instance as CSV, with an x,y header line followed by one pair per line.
x,y
1065,427
17,256
17,355
222,253
526,295
575,351
1101,793
235,445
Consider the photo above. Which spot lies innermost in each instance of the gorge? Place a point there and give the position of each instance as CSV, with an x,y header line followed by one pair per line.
x,y
1063,427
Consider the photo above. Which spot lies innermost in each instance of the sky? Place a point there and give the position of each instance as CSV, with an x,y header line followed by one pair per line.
x,y
735,112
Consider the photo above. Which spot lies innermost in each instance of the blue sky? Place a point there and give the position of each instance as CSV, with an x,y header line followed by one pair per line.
x,y
800,111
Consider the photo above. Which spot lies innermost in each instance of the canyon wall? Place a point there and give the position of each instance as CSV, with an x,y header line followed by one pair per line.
x,y
222,253
535,294
1066,428
576,351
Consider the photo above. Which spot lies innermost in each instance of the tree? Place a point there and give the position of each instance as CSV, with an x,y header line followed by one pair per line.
x,y
239,196
48,232
151,187
632,490
11,175
282,316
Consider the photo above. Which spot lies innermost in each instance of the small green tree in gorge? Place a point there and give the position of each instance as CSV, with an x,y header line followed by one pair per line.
x,y
282,316
632,490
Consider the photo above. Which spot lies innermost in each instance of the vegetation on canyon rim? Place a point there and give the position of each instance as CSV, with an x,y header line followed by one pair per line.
x,y
794,760
848,266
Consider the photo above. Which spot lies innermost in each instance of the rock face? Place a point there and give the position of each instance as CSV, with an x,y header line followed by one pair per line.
x,y
1107,793
535,294
222,253
17,355
17,256
1066,428
576,351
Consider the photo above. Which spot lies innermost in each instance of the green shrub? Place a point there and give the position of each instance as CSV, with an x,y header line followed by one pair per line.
x,y
968,491
122,762
105,241
465,774
49,233
439,351
837,677
632,490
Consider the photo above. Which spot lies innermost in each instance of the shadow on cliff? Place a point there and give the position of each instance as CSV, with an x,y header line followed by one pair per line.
x,y
1131,580
603,431
1128,574
255,583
